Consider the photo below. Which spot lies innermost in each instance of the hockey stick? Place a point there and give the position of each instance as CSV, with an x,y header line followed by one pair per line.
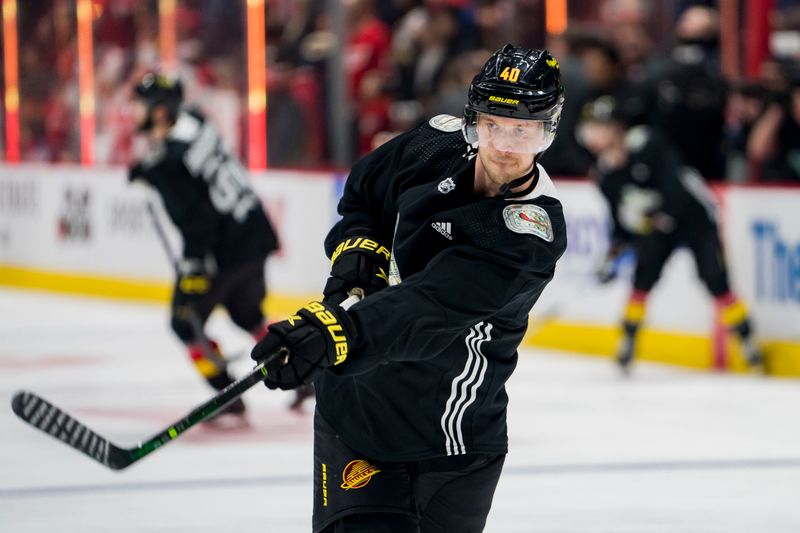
x,y
194,321
43,415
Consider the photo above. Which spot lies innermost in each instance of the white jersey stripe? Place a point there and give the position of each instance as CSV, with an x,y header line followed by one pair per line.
x,y
454,386
463,389
473,393
475,364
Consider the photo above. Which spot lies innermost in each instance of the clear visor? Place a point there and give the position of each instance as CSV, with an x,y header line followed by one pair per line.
x,y
510,134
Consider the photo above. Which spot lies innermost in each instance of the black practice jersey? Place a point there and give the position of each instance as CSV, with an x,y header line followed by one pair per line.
x,y
427,375
206,194
654,192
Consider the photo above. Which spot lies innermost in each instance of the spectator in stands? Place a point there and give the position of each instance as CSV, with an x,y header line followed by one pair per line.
x,y
604,73
455,80
774,142
495,21
637,51
566,157
368,44
745,106
601,74
289,131
692,95
372,110
427,38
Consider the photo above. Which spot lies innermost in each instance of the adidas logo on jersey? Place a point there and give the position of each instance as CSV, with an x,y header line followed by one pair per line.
x,y
444,228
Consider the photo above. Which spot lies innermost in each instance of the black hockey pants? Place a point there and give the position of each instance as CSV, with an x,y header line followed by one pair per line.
x,y
356,494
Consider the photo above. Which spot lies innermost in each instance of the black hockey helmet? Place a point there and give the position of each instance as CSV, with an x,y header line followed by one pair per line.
x,y
627,112
520,83
157,89
592,130
603,109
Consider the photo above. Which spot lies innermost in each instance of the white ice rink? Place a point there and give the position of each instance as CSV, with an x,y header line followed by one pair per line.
x,y
668,450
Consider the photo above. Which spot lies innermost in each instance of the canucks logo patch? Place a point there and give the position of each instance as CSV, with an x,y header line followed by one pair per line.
x,y
445,123
357,474
526,218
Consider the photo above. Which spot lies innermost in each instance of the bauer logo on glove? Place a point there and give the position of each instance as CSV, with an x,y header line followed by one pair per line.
x,y
357,262
298,349
335,329
360,244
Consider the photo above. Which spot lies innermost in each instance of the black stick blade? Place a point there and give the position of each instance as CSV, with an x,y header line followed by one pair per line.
x,y
43,415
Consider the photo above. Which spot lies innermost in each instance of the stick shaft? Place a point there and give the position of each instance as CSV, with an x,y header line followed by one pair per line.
x,y
201,412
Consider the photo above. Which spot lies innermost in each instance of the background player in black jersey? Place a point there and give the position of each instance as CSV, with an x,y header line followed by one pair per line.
x,y
453,230
226,234
657,204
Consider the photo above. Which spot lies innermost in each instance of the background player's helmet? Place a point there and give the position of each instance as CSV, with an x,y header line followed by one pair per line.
x,y
604,109
520,83
156,89
602,119
625,112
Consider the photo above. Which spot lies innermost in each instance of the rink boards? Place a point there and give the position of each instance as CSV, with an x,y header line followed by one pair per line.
x,y
71,229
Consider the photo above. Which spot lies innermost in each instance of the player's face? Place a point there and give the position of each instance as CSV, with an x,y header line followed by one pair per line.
x,y
598,137
507,146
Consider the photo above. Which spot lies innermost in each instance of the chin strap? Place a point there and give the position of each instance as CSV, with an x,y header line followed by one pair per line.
x,y
506,188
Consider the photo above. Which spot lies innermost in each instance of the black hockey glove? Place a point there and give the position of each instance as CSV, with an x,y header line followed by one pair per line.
x,y
318,336
357,262
193,283
607,270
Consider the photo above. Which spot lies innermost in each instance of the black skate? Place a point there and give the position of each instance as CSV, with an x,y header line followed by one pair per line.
x,y
753,355
232,416
625,355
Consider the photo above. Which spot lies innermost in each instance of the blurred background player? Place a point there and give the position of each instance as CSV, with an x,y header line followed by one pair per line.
x,y
411,387
226,233
657,204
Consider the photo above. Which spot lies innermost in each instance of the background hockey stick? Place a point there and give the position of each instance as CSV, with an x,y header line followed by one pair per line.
x,y
191,316
43,415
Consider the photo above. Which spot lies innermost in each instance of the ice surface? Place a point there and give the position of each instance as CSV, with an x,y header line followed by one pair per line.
x,y
668,450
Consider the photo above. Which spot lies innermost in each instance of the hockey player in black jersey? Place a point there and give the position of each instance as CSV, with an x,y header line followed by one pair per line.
x,y
657,204
226,234
452,230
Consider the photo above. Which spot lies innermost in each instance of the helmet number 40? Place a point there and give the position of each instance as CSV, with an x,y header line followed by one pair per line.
x,y
510,74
